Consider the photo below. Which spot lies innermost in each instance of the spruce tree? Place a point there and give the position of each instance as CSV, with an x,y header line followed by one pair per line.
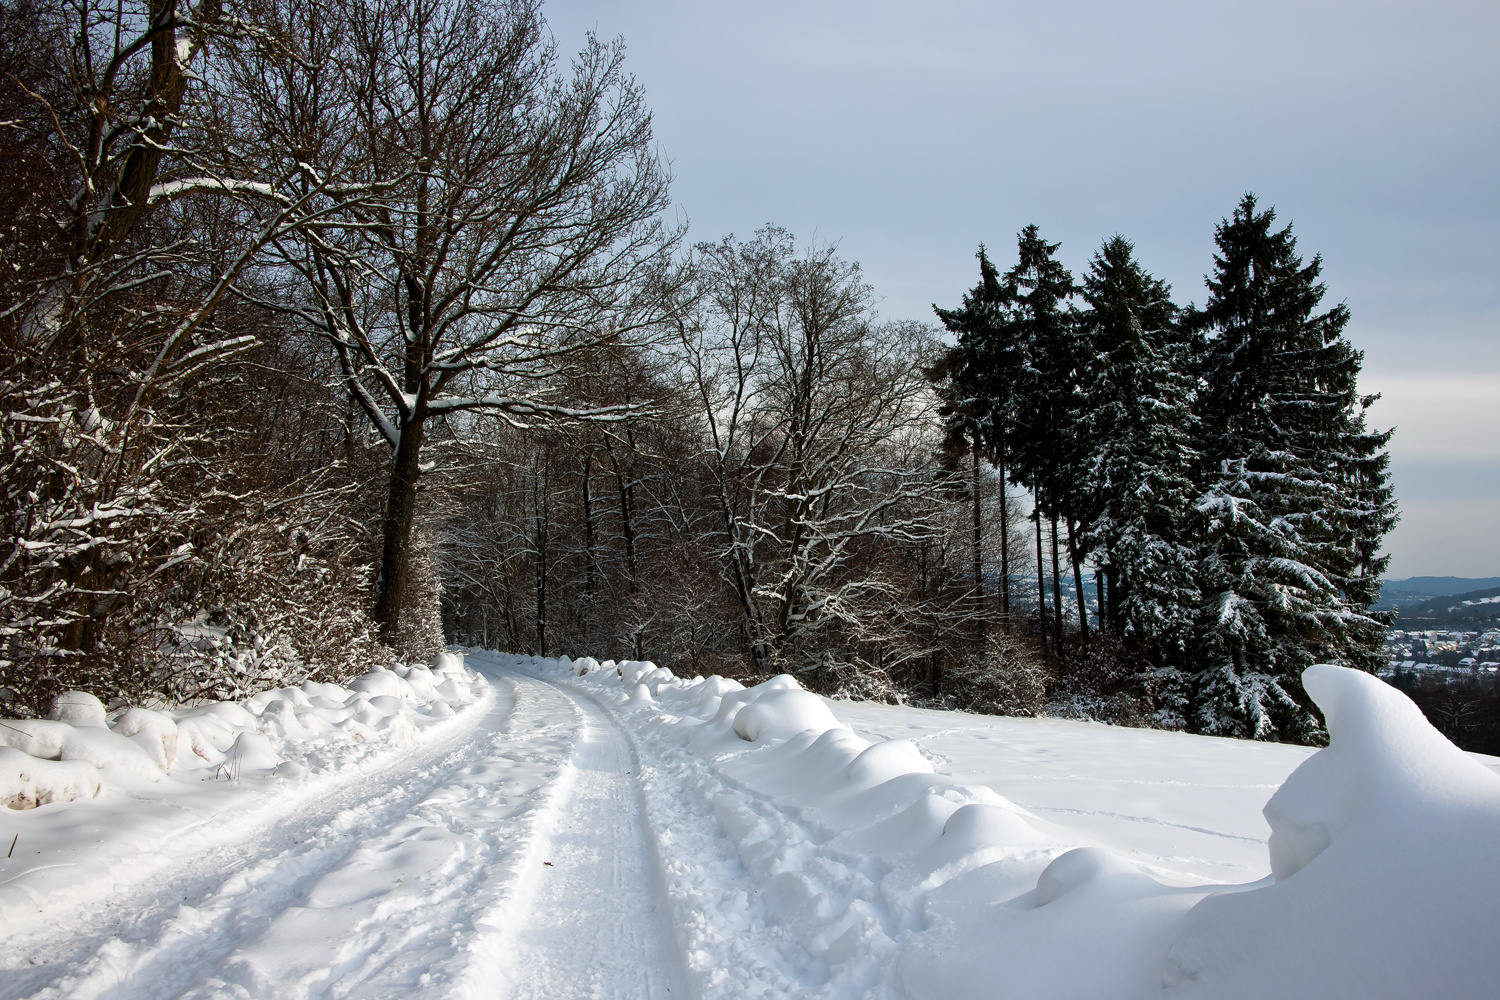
x,y
1295,495
977,379
1139,454
1047,444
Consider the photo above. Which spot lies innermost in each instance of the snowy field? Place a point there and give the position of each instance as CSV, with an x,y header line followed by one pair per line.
x,y
503,826
1186,808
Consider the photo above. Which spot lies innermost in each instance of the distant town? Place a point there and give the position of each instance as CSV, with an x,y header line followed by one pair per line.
x,y
1445,627
1442,651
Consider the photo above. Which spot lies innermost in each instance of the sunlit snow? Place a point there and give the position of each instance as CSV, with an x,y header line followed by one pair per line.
x,y
516,827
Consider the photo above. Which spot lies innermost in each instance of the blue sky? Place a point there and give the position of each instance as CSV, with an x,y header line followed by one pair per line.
x,y
910,132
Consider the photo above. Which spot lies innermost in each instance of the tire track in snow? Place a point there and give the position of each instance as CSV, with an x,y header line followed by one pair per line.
x,y
299,832
380,899
587,920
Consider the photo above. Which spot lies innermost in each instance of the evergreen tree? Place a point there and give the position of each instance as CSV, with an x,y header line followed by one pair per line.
x,y
1049,400
1295,496
977,379
1139,455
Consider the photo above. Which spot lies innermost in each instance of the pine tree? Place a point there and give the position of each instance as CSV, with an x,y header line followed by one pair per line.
x,y
1139,456
1295,496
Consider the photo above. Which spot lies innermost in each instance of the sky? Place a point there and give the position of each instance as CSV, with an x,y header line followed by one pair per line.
x,y
909,133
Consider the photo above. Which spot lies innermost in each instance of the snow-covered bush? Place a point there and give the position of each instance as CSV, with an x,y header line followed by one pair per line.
x,y
181,512
291,731
1005,676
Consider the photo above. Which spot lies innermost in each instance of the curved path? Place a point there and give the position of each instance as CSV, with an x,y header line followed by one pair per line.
x,y
509,858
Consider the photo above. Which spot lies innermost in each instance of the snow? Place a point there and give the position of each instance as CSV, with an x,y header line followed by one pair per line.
x,y
997,857
576,828
154,732
78,708
27,782
780,713
163,787
1186,807
1382,847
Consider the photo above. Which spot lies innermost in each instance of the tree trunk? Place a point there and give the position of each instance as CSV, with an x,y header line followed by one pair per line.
x,y
1041,577
1004,543
627,519
400,512
978,534
1099,592
1114,597
541,569
1083,607
1056,585
588,527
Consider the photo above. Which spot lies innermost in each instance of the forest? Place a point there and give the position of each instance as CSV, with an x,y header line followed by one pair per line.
x,y
338,330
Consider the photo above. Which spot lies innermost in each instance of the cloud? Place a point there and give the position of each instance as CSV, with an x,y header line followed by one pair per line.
x,y
1452,418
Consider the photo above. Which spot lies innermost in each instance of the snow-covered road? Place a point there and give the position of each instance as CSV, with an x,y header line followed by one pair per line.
x,y
508,853
591,923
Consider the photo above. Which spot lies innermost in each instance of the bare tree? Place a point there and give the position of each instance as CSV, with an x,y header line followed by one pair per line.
x,y
812,413
514,223
137,218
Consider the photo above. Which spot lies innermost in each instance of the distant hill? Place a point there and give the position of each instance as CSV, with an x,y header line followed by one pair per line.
x,y
1421,589
1475,609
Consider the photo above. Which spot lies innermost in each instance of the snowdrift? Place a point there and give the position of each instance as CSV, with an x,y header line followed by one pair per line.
x,y
1385,848
81,751
893,880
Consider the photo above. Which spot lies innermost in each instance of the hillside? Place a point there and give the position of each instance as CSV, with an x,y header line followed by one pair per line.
x,y
1475,609
1422,589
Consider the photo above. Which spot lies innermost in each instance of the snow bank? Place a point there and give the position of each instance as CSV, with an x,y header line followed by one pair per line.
x,y
1385,848
27,782
895,880
80,750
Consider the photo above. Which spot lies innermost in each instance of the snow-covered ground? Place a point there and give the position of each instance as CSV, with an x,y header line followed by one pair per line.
x,y
1187,808
556,828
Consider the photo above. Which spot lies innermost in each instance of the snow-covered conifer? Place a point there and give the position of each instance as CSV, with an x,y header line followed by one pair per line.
x,y
1295,497
1139,455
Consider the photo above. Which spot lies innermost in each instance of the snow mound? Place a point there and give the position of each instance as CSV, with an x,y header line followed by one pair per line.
x,y
1384,850
253,752
292,731
47,739
1077,867
1383,756
27,782
154,732
105,749
778,714
77,708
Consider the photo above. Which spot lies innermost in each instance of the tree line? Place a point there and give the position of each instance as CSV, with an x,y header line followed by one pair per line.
x,y
336,330
1214,463
268,265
